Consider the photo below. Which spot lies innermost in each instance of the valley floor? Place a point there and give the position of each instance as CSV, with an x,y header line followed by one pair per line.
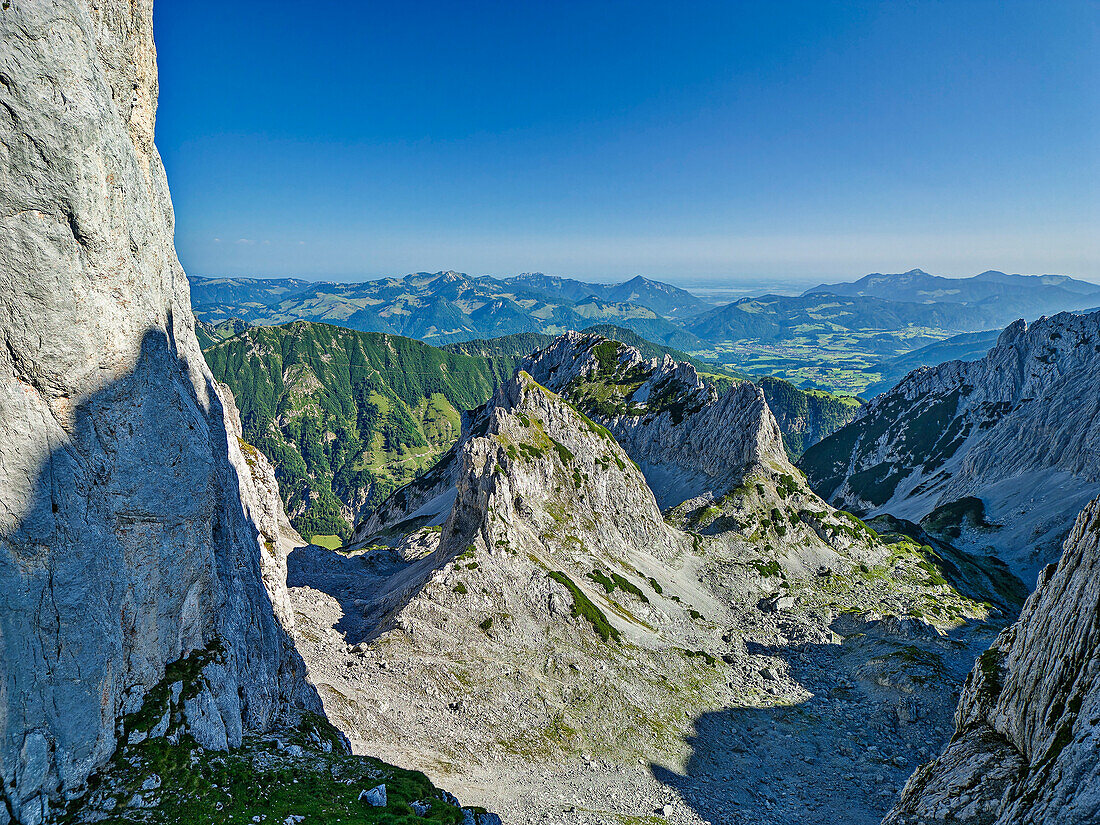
x,y
842,727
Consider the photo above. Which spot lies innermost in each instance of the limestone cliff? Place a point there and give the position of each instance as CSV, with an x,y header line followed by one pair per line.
x,y
1026,741
1002,451
132,528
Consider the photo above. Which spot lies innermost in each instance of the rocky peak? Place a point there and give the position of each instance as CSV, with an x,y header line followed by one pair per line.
x,y
513,456
687,439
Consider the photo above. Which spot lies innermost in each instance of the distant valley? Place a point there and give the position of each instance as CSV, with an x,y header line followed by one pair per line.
x,y
854,338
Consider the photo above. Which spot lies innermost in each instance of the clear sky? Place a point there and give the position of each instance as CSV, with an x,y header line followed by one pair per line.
x,y
694,142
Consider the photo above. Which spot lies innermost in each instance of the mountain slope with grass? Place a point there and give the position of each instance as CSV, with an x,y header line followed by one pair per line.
x,y
525,617
347,417
1001,451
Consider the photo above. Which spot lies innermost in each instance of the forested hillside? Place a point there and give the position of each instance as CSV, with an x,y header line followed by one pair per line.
x,y
806,416
347,416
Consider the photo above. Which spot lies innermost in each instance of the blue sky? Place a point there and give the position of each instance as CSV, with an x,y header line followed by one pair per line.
x,y
694,142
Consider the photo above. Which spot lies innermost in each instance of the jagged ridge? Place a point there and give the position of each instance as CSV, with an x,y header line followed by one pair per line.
x,y
1018,429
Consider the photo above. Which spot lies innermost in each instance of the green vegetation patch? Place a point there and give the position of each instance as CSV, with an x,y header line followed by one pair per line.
x,y
563,452
200,786
584,608
948,519
698,654
616,582
348,417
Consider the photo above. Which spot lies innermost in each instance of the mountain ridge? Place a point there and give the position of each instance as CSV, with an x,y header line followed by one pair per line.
x,y
1014,430
441,307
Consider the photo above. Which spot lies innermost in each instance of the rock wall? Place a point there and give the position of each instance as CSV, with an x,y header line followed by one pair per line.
x,y
687,439
1027,737
1018,429
129,518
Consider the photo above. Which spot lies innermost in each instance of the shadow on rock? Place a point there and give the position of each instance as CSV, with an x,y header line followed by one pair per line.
x,y
369,587
880,704
124,546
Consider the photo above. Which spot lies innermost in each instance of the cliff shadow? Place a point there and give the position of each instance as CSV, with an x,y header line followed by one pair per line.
x,y
368,587
871,710
124,545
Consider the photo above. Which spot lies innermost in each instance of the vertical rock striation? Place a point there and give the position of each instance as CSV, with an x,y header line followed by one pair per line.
x,y
130,520
1027,736
1018,430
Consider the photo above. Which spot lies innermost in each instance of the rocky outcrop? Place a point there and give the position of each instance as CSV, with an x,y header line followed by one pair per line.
x,y
548,601
132,530
1026,741
1017,431
530,610
688,440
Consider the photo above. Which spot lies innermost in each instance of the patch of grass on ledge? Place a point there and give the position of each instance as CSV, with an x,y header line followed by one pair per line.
x,y
583,607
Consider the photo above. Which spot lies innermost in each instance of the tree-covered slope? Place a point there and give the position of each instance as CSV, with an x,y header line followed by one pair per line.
x,y
806,416
347,416
520,344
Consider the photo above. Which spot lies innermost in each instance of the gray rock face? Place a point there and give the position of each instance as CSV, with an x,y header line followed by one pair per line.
x,y
1027,736
1018,429
688,440
132,528
530,620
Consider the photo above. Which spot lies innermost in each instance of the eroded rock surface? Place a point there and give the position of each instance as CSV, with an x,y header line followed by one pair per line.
x,y
1001,452
132,528
1027,733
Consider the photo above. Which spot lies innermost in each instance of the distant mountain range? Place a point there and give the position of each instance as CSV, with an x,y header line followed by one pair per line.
x,y
917,285
996,296
772,318
835,336
448,306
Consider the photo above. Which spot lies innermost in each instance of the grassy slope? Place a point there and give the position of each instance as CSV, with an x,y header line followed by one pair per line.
x,y
348,416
